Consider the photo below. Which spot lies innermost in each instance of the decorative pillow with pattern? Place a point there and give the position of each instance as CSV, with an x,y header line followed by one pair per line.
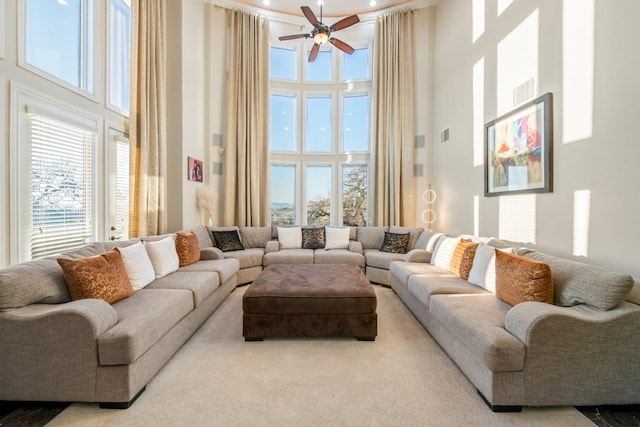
x,y
227,241
188,248
313,238
462,258
520,279
101,277
396,243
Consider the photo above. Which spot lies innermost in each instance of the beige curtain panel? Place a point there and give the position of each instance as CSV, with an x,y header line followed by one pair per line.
x,y
393,120
246,195
147,121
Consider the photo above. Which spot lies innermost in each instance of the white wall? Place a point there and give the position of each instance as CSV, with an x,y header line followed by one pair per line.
x,y
590,68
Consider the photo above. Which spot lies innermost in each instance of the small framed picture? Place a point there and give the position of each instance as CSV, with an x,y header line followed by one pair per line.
x,y
194,169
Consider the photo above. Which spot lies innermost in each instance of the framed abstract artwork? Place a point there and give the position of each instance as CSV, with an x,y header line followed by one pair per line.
x,y
519,150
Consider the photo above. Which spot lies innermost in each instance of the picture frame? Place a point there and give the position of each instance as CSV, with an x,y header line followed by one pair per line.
x,y
194,169
519,150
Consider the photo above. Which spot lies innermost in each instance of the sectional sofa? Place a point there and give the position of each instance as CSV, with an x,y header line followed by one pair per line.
x,y
53,348
578,347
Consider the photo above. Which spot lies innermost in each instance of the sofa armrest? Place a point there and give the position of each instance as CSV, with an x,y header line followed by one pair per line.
x,y
355,246
211,253
537,322
418,255
50,351
272,246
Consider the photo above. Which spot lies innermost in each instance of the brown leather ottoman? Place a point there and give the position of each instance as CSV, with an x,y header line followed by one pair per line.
x,y
310,300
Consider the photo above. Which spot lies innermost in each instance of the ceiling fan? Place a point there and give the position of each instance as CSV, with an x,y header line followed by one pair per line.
x,y
321,32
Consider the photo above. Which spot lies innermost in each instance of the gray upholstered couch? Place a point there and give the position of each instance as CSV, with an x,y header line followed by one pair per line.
x,y
582,350
87,350
262,248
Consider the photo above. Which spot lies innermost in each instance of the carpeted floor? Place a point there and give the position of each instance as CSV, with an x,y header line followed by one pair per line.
x,y
401,379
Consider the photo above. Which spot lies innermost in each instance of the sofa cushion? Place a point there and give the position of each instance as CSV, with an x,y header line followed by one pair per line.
x,y
163,255
520,279
204,236
477,321
247,258
423,239
396,243
371,237
143,319
288,256
313,238
138,265
226,268
438,281
100,277
188,248
290,237
403,270
338,256
255,237
443,252
414,233
227,240
462,258
32,282
200,283
379,259
578,283
337,237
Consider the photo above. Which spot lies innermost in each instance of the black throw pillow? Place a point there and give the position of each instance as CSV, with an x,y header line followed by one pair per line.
x,y
396,243
313,238
227,240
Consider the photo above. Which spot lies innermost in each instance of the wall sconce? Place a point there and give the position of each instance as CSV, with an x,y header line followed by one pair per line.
x,y
429,215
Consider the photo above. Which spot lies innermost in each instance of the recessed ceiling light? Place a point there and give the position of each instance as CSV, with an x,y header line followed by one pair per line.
x,y
372,3
266,2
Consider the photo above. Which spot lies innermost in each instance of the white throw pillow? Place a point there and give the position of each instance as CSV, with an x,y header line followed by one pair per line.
x,y
290,237
483,271
443,252
337,237
138,265
163,256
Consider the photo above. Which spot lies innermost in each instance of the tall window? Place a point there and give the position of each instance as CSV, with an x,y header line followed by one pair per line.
x,y
62,185
59,40
320,146
119,53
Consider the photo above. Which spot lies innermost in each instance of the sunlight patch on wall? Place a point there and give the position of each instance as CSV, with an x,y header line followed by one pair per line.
x,y
581,222
517,61
477,19
476,215
577,69
478,113
517,218
503,5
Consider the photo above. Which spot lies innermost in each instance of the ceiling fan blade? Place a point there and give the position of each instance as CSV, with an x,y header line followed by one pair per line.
x,y
314,52
293,36
344,23
310,15
342,45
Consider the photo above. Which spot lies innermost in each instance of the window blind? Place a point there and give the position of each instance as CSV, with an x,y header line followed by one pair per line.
x,y
62,184
121,196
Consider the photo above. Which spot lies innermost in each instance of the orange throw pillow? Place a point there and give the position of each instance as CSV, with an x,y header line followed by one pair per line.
x,y
462,258
100,277
188,248
520,279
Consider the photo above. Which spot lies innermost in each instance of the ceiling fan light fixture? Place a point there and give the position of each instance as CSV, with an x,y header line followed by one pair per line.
x,y
321,38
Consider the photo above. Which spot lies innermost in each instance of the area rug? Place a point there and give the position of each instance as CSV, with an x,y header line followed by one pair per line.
x,y
403,378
